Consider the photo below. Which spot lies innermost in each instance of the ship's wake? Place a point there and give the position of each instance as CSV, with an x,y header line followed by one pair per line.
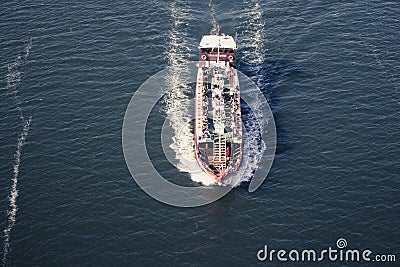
x,y
178,104
213,18
13,80
252,51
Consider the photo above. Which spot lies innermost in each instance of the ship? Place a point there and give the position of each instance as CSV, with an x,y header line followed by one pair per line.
x,y
217,123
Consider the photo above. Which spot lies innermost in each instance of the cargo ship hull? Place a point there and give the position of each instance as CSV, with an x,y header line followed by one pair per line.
x,y
218,123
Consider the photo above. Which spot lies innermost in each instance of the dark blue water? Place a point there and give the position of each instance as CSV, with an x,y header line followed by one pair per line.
x,y
330,72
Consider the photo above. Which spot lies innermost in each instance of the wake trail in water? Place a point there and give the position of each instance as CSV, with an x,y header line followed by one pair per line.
x,y
13,80
13,208
178,104
213,17
253,53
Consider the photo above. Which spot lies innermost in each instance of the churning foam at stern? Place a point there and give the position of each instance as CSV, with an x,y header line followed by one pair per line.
x,y
13,79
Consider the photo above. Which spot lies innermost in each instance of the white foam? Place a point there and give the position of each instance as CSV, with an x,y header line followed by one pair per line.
x,y
214,22
177,103
13,208
254,54
13,79
28,49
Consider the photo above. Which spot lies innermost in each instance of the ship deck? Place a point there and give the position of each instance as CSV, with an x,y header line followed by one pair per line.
x,y
218,124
